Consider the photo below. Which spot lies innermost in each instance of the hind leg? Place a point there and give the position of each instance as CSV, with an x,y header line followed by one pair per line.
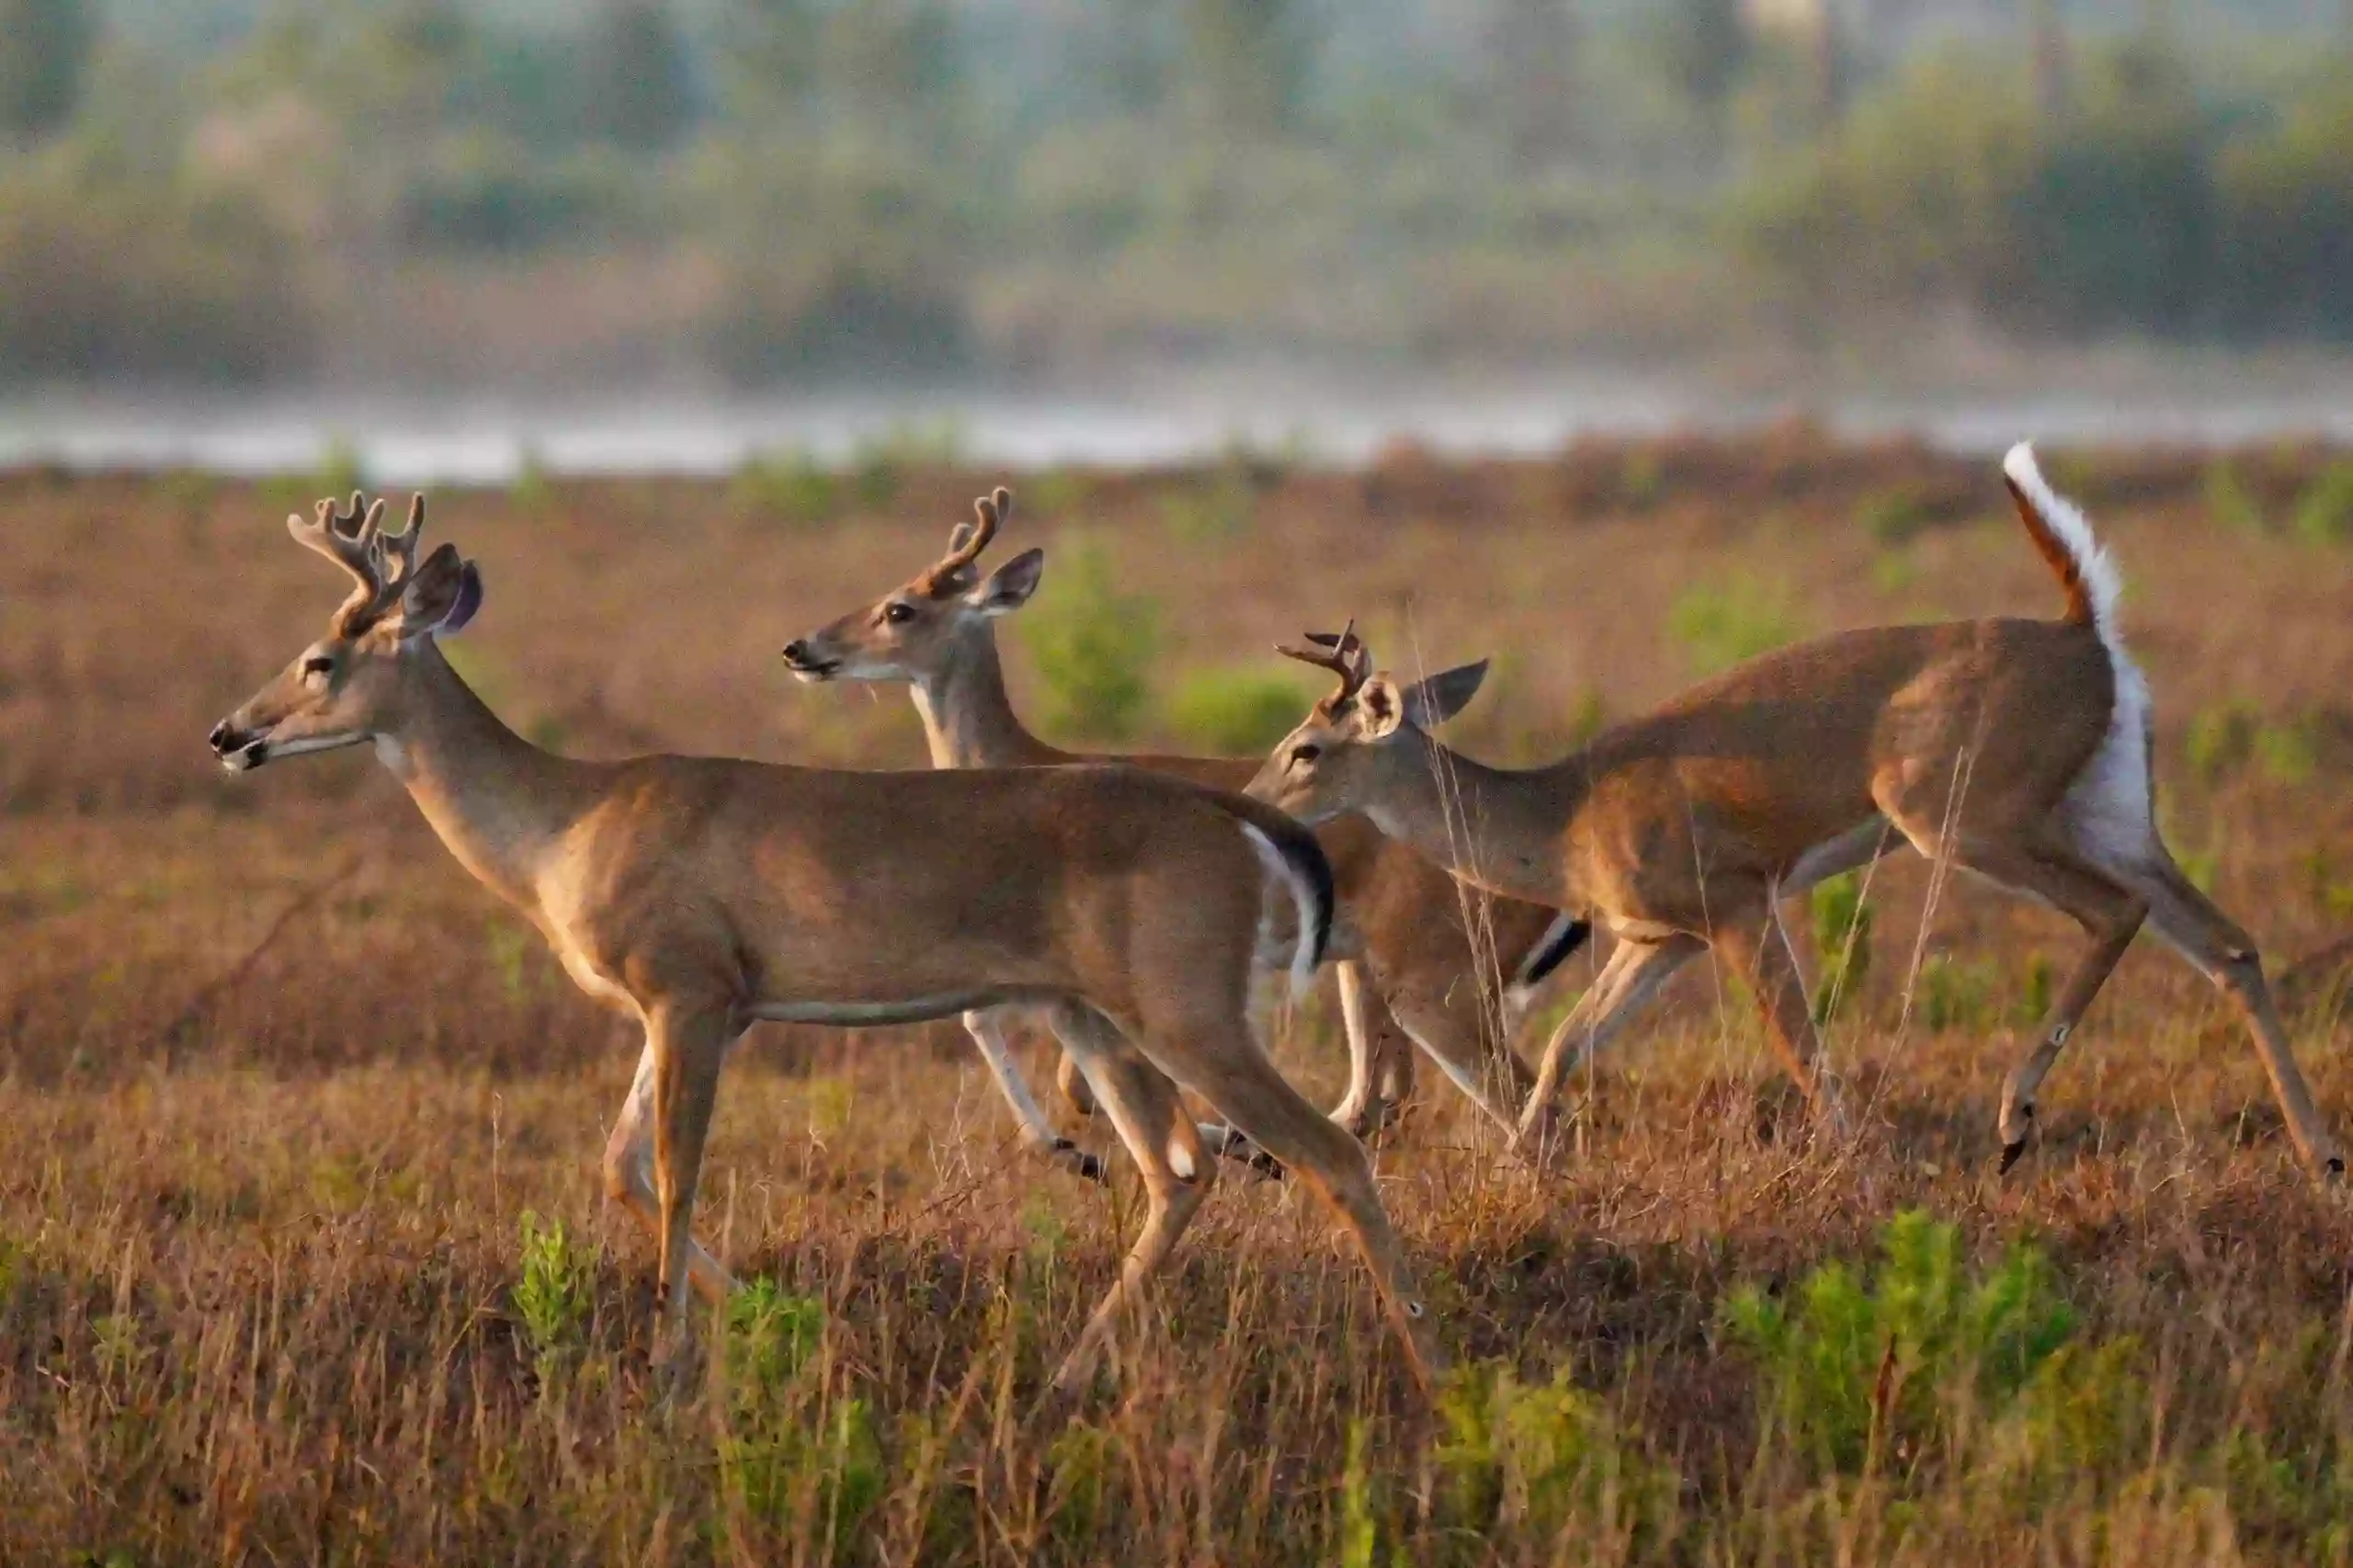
x,y
1449,1020
1636,973
1759,946
2225,954
1371,1095
1177,1173
1072,1085
1222,1064
1037,1135
2034,861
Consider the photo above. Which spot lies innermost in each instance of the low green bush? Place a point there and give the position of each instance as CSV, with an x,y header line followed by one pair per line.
x,y
1235,712
1094,644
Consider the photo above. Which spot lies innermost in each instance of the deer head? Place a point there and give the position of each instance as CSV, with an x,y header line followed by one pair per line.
x,y
911,632
345,688
1331,763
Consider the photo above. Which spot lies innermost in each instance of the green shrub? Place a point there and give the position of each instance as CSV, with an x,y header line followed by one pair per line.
x,y
790,487
2219,739
1590,717
1842,936
1081,1465
2228,502
1236,711
1720,624
1094,646
785,1454
531,490
1850,1367
1548,1459
1213,510
2289,753
339,471
1359,1519
1893,517
770,1337
510,951
1641,480
2041,988
553,1296
1951,994
2325,512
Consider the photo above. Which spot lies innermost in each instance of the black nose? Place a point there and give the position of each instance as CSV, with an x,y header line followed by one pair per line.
x,y
796,651
222,735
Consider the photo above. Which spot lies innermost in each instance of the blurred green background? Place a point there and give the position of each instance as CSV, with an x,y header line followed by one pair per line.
x,y
782,193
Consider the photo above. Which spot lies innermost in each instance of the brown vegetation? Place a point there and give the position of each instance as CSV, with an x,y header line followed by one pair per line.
x,y
263,1285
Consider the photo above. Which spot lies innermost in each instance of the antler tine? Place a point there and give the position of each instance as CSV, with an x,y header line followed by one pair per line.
x,y
990,510
395,554
333,536
1344,655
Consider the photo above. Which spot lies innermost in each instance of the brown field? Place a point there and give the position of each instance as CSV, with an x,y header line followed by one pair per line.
x,y
279,1082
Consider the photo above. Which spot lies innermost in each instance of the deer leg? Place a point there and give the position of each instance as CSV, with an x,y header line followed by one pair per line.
x,y
1038,1135
1079,1030
689,1040
1633,975
1454,1031
1177,1173
1222,1064
2108,910
628,1178
2111,914
2225,954
1763,955
1356,1112
1074,1087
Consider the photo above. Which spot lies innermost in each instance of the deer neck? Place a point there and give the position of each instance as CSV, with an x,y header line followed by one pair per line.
x,y
968,720
499,803
1502,830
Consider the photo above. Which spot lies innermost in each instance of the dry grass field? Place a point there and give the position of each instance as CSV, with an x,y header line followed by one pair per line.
x,y
303,1252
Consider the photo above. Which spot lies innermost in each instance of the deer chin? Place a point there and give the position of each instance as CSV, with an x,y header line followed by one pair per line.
x,y
267,748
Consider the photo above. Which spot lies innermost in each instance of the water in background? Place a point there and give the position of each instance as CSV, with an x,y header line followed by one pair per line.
x,y
489,439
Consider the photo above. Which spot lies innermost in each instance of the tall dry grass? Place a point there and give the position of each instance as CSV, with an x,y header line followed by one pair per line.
x,y
280,1086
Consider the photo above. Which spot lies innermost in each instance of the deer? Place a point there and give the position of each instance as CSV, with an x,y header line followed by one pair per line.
x,y
2017,749
1408,953
697,896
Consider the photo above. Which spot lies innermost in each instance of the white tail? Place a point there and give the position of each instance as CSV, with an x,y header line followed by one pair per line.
x,y
2103,583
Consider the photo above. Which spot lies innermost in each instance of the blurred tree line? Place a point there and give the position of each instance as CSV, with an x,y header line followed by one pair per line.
x,y
775,189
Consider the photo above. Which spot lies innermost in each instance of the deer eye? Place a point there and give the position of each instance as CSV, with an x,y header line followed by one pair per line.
x,y
318,664
898,612
1300,754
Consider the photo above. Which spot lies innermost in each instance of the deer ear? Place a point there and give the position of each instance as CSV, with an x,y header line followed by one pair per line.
x,y
442,597
1008,587
1383,707
1433,701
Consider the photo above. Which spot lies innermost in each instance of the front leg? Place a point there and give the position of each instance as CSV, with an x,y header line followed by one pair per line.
x,y
628,1178
689,1040
986,1028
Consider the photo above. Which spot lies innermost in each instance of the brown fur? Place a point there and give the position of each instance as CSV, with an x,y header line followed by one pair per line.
x,y
699,895
1418,932
1681,830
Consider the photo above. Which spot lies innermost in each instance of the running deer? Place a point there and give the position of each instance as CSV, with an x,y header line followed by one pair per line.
x,y
700,895
2017,749
1405,947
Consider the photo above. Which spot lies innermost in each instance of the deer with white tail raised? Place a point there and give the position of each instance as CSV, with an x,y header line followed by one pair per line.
x,y
1448,966
699,896
2015,749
